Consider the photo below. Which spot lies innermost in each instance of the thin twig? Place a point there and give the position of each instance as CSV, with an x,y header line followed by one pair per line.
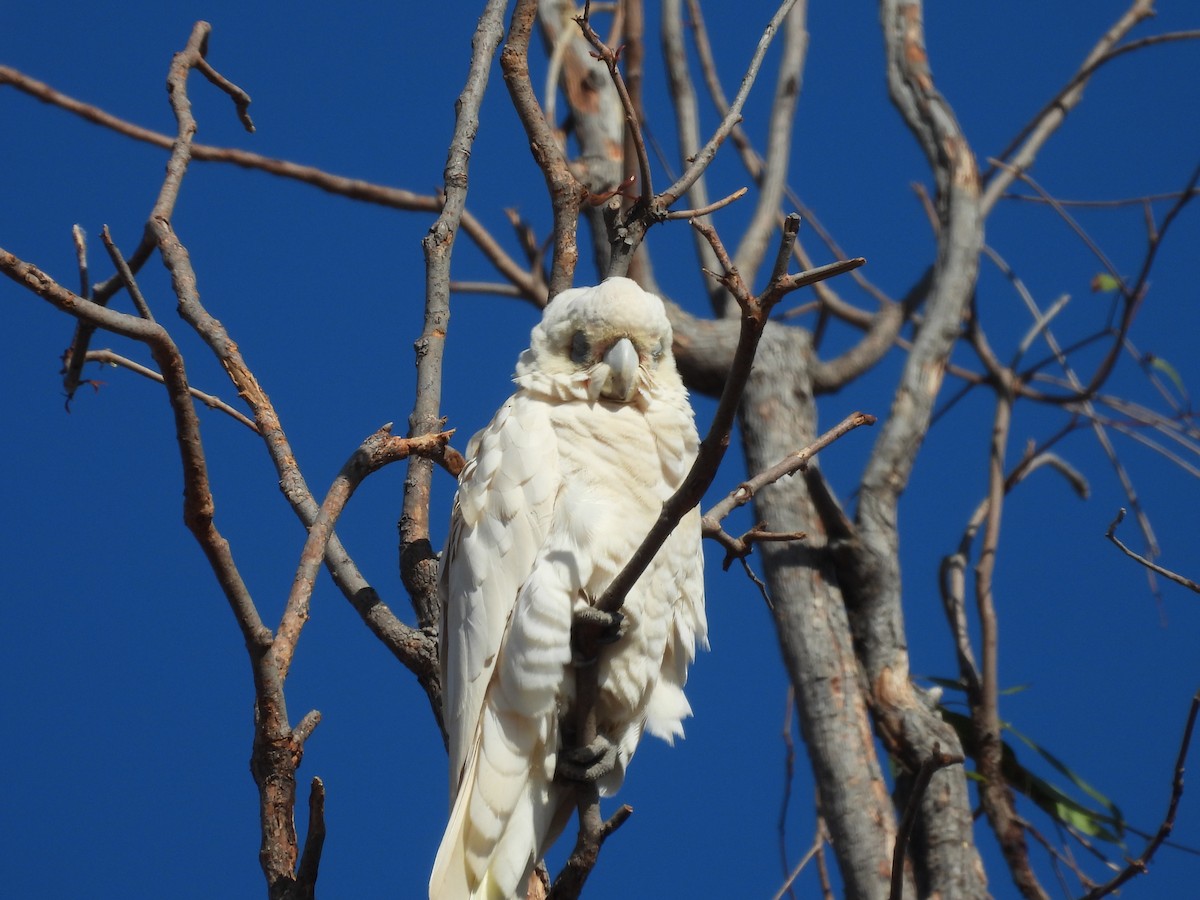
x,y
632,121
789,772
564,189
704,156
1139,866
786,887
795,462
1141,200
109,358
1025,146
240,98
1166,573
708,208
79,239
127,278
170,362
353,188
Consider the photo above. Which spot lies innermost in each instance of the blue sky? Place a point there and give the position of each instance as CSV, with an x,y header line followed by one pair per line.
x,y
127,714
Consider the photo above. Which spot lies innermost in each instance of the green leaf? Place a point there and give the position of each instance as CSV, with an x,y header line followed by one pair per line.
x,y
1114,816
956,684
1106,824
1103,283
1157,362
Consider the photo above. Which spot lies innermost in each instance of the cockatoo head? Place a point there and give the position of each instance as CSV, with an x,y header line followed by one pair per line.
x,y
609,342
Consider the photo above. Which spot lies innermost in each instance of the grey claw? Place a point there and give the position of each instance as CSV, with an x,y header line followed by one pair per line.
x,y
588,763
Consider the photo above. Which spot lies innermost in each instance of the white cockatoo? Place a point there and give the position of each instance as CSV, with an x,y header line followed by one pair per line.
x,y
557,493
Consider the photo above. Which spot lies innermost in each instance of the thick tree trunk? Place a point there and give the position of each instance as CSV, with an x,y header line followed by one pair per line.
x,y
778,418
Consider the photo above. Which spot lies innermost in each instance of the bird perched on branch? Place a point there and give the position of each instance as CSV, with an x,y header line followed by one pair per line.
x,y
558,492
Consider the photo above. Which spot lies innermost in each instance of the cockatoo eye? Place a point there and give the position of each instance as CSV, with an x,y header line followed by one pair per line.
x,y
580,348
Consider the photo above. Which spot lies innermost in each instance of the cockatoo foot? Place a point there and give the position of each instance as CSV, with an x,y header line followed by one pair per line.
x,y
588,763
609,627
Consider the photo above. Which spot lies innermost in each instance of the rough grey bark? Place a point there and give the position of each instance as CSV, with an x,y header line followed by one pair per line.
x,y
779,416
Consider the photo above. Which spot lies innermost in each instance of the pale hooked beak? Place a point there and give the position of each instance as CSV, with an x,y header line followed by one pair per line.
x,y
621,382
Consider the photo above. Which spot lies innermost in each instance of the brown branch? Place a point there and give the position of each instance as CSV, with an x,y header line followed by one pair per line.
x,y
241,100
708,70
110,358
706,153
687,117
79,239
276,751
1166,573
707,208
490,288
772,178
352,188
314,843
127,278
379,449
883,327
632,121
198,497
813,850
738,548
745,492
627,230
867,557
1132,295
789,776
418,560
565,191
76,354
1140,865
995,793
1025,146
1002,374
1141,200
687,120
951,574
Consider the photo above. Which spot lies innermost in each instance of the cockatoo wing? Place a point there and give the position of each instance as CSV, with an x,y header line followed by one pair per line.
x,y
502,512
507,594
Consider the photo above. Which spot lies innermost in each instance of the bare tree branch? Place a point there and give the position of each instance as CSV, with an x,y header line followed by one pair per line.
x,y
795,462
378,450
418,560
1111,534
869,560
753,245
565,192
632,124
352,188
1024,148
1139,866
109,358
704,156
197,496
